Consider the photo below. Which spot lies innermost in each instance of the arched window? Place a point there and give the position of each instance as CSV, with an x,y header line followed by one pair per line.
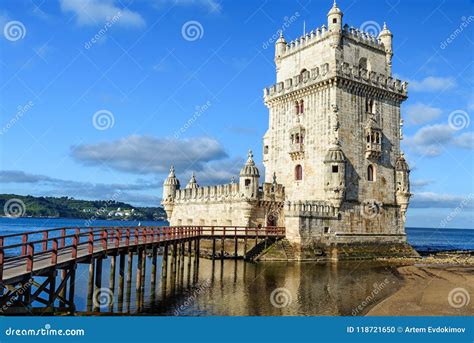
x,y
377,138
298,172
301,74
301,106
247,182
370,173
297,107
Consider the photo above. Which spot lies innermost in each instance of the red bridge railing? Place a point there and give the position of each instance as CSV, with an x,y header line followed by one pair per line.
x,y
25,247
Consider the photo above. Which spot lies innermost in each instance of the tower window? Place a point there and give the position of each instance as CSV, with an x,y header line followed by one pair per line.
x,y
247,182
335,169
297,108
265,149
298,172
370,173
334,21
301,106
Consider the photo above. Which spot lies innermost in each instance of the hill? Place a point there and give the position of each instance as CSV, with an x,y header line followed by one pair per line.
x,y
67,207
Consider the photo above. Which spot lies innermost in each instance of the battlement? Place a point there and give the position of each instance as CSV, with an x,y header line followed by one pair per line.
x,y
321,33
272,192
344,69
208,193
313,209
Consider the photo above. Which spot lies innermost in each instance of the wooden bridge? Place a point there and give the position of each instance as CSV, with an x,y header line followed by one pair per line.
x,y
28,257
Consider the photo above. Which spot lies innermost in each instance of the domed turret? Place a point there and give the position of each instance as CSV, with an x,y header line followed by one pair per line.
x,y
335,18
170,186
335,171
402,179
280,47
249,178
385,37
192,183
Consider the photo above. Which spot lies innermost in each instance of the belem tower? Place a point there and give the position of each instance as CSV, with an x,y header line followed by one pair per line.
x,y
335,176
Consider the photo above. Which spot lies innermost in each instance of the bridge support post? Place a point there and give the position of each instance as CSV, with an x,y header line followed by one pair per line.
x,y
143,267
153,265
121,281
236,245
138,281
164,262
90,290
98,282
112,273
129,267
222,247
72,288
63,291
213,248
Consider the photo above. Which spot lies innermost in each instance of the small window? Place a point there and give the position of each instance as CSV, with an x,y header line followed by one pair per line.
x,y
297,108
334,21
298,172
247,182
370,173
326,229
301,106
335,169
265,149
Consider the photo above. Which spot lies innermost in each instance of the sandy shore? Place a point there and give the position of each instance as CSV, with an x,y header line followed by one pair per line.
x,y
431,289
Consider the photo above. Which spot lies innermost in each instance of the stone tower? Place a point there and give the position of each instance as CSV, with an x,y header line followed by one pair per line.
x,y
334,135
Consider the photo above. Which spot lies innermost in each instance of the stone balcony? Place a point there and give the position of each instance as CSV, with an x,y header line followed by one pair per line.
x,y
296,151
373,150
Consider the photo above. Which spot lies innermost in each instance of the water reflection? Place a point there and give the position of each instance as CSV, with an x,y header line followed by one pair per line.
x,y
200,287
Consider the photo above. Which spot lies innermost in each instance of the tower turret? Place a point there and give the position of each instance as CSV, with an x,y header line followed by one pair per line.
x,y
170,186
280,47
385,37
249,178
192,182
335,24
402,179
335,171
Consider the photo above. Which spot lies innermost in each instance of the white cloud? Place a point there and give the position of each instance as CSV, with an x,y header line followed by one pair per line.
x,y
420,184
436,200
420,113
465,140
430,139
93,12
432,84
146,154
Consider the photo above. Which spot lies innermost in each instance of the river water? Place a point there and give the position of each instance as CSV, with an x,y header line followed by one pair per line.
x,y
229,287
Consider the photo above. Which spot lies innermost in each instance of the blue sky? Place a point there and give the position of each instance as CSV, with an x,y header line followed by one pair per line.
x,y
97,98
